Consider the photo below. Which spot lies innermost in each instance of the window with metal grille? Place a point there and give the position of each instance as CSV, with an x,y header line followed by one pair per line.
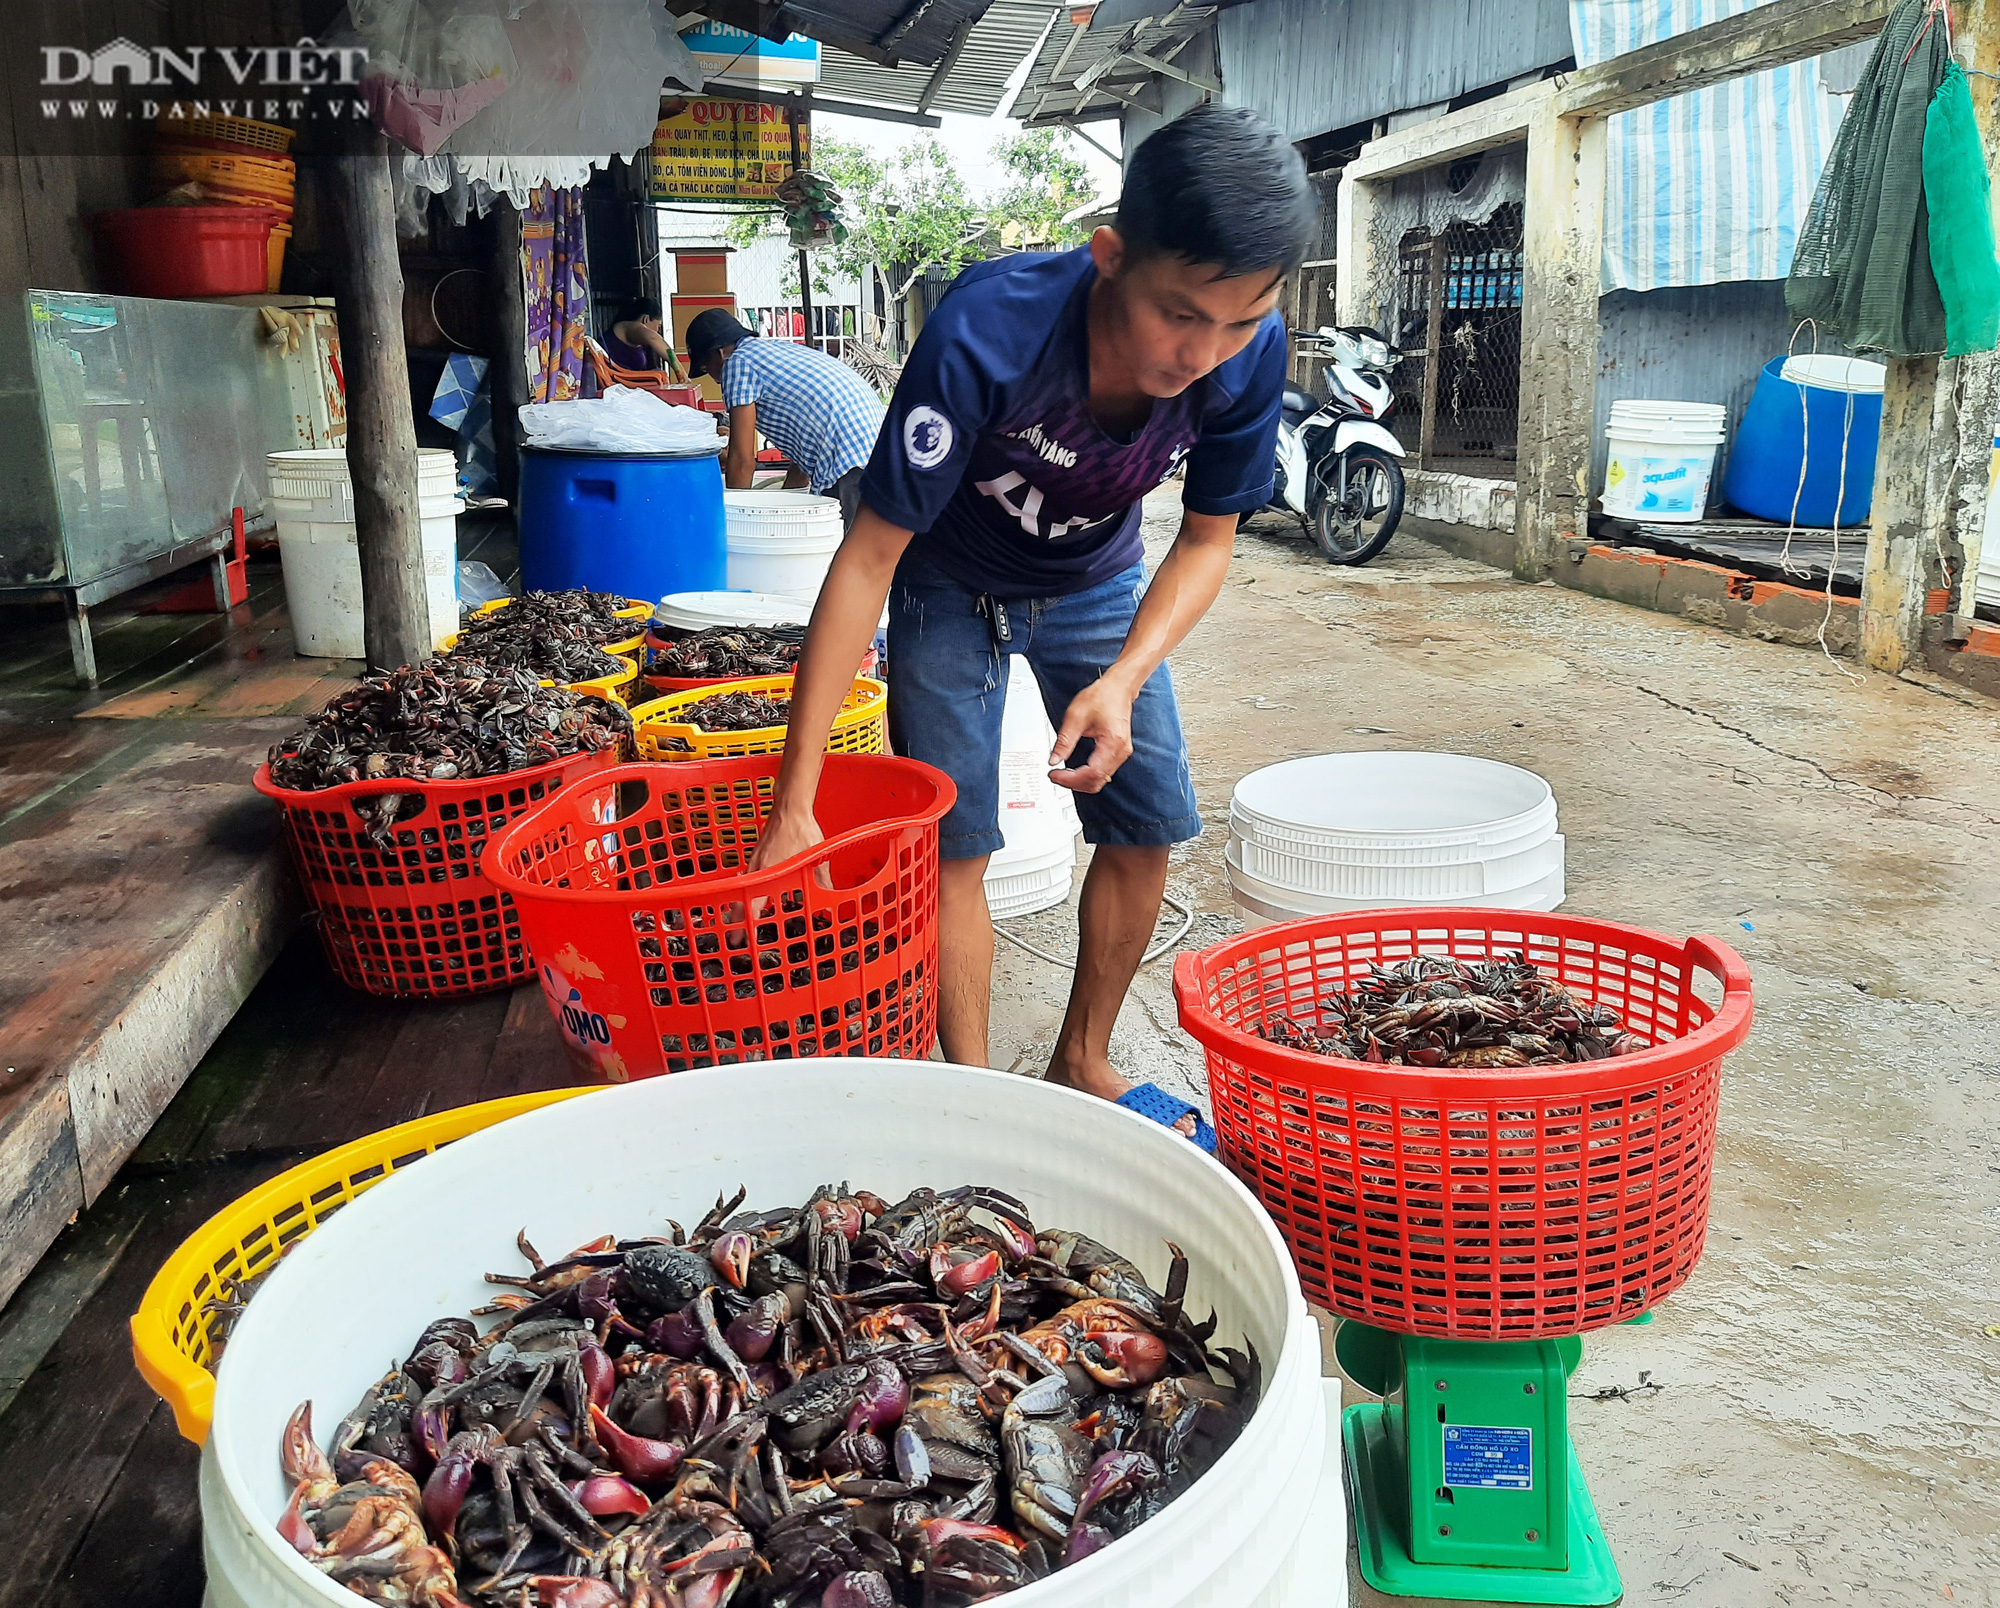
x,y
1459,326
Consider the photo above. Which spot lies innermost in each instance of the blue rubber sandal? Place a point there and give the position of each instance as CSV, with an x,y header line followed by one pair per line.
x,y
1150,1100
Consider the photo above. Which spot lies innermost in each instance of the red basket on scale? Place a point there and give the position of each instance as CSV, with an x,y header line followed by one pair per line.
x,y
660,951
410,913
1498,1205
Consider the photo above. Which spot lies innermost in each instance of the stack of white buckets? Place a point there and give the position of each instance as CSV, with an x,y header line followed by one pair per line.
x,y
781,544
312,496
1339,832
1660,459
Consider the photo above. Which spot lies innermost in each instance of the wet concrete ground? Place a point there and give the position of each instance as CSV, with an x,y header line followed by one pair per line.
x,y
1827,1427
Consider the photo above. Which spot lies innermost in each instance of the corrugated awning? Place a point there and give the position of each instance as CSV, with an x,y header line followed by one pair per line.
x,y
1089,71
970,77
919,31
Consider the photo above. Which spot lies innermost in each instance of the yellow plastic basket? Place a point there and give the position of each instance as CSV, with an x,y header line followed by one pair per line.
x,y
174,1330
633,610
176,164
618,687
181,118
861,727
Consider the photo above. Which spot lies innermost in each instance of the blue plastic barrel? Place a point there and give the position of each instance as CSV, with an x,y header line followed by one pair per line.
x,y
641,525
1763,475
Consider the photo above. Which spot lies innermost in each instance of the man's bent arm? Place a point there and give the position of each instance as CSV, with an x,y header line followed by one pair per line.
x,y
1182,590
740,466
843,624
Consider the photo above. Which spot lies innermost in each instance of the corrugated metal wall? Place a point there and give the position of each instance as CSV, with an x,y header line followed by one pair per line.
x,y
1700,343
1312,66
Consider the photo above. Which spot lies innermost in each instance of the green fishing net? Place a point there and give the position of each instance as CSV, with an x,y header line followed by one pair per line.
x,y
1862,270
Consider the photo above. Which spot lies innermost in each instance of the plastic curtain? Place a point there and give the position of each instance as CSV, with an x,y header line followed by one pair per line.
x,y
555,269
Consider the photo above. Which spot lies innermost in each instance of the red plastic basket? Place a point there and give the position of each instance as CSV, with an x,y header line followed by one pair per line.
x,y
659,952
417,919
1504,1205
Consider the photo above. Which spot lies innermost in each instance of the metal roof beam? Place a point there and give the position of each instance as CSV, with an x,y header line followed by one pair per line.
x,y
845,108
945,64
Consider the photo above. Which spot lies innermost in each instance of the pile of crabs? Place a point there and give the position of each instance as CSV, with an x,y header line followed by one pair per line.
x,y
845,1404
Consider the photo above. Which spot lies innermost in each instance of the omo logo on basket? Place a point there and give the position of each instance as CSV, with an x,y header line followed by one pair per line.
x,y
586,1030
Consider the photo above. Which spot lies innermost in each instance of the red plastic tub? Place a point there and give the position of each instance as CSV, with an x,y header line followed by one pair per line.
x,y
1502,1205
660,952
170,252
416,918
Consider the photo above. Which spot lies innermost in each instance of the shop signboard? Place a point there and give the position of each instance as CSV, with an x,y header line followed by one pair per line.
x,y
735,53
724,152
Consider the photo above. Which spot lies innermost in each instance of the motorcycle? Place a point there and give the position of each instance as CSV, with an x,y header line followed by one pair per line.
x,y
1338,469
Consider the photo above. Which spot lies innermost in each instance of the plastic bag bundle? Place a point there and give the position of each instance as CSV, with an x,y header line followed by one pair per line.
x,y
624,419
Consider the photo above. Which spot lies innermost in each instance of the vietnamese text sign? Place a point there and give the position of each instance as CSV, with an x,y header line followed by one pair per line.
x,y
723,151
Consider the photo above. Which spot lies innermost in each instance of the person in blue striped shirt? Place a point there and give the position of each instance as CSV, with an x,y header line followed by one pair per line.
x,y
813,408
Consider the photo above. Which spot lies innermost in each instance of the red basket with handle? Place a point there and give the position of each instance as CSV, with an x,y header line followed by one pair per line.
x,y
1510,1204
410,913
660,951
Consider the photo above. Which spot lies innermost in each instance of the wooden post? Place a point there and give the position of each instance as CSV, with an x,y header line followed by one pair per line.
x,y
507,376
1562,268
1933,464
381,432
805,260
1433,353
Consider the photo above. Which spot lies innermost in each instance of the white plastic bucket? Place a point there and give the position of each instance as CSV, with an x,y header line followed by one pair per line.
x,y
1831,373
781,542
709,611
1037,818
312,497
1262,1529
1662,458
1261,905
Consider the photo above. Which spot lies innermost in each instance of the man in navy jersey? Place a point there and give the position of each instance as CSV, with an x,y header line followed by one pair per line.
x,y
1047,394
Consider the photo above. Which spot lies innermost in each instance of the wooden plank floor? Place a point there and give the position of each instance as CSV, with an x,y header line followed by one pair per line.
x,y
142,888
97,1489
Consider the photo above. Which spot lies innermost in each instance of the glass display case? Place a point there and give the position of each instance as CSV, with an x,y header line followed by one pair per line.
x,y
133,429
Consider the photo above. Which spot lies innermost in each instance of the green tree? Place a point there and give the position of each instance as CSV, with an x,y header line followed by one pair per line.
x,y
1046,179
904,214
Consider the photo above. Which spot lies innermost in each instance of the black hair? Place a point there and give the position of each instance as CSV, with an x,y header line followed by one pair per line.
x,y
1219,185
638,307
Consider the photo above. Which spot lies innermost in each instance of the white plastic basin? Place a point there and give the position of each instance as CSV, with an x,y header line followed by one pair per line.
x,y
1263,1529
781,542
1394,808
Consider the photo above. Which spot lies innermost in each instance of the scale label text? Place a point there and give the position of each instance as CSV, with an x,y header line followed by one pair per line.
x,y
1481,1457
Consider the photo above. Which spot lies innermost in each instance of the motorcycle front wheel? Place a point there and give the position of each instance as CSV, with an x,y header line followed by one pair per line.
x,y
1352,529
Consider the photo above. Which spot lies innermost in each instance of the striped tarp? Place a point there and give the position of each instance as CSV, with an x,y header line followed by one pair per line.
x,y
1707,187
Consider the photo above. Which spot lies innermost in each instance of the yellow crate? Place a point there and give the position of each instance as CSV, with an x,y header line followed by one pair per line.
x,y
861,727
173,1332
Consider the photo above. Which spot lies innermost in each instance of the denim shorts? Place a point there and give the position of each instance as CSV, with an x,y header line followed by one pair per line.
x,y
947,686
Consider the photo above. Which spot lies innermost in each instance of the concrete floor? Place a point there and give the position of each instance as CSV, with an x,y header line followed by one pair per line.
x,y
1826,1427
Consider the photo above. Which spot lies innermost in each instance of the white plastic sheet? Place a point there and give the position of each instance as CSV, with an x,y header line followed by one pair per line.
x,y
626,419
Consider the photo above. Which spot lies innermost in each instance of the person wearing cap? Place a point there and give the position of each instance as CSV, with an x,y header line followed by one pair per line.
x,y
813,408
1045,396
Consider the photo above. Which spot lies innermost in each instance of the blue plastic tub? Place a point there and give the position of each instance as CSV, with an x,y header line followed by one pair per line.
x,y
638,525
1763,475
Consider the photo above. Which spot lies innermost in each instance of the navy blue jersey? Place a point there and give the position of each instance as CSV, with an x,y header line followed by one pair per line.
x,y
991,455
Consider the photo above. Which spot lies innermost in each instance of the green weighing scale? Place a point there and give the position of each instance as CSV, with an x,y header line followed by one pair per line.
x,y
1463,1481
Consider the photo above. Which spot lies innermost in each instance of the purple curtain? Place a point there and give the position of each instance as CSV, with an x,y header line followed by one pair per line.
x,y
556,271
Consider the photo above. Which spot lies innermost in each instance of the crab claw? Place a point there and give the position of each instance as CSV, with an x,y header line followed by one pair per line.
x,y
574,1591
730,1256
1084,1539
606,1494
600,1373
1020,1244
635,1456
966,1275
1118,1360
451,1482
858,1588
1114,1474
300,1453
